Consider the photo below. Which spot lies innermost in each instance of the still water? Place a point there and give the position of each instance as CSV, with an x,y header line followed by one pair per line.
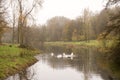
x,y
81,65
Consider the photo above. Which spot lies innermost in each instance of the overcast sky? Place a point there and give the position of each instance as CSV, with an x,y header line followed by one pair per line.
x,y
67,8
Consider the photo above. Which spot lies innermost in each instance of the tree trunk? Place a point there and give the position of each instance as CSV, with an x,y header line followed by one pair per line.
x,y
13,33
0,39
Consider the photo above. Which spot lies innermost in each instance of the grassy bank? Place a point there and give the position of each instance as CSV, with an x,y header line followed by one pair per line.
x,y
94,43
102,45
14,59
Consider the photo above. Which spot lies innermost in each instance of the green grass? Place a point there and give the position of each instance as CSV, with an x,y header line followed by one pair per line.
x,y
6,51
81,43
94,43
14,59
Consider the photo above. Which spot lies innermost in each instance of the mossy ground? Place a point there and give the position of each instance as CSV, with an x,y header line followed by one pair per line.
x,y
13,59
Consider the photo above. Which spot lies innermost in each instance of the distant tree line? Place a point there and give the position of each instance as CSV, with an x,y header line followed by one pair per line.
x,y
86,27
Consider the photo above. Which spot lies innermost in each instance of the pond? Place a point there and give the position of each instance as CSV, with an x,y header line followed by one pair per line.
x,y
60,63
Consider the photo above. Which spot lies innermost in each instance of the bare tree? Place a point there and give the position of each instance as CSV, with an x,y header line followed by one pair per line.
x,y
13,22
3,23
112,2
114,19
24,8
87,24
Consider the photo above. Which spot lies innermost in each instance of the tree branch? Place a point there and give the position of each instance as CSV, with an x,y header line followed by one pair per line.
x,y
29,13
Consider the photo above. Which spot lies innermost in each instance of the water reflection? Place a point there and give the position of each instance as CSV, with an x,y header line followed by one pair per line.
x,y
81,67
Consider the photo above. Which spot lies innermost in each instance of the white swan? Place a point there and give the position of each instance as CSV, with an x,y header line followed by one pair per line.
x,y
64,55
72,54
68,56
59,56
52,54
